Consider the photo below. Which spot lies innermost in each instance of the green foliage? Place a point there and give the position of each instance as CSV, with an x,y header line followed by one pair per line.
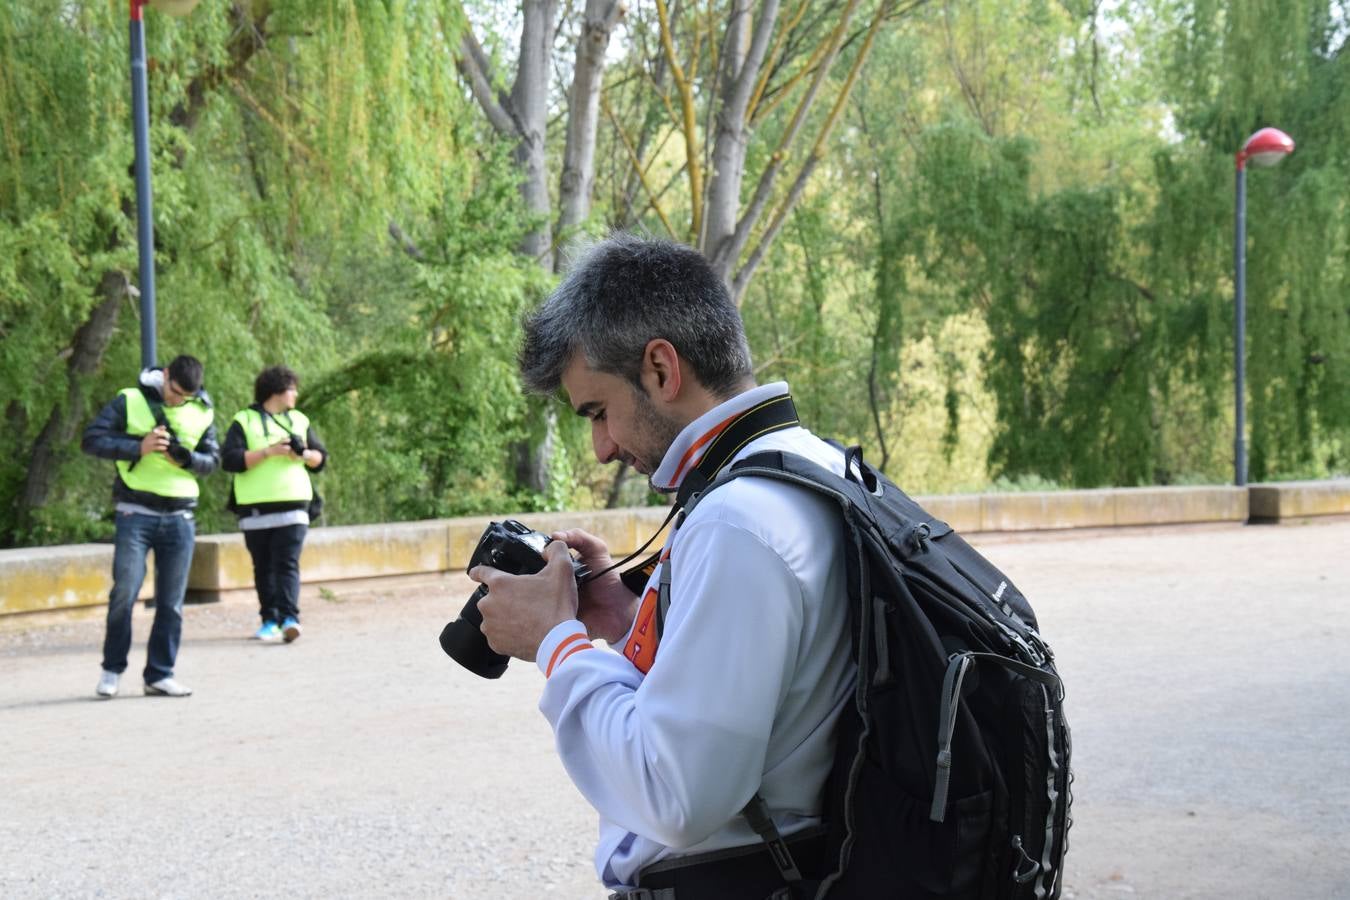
x,y
1233,70
285,145
1013,266
1098,248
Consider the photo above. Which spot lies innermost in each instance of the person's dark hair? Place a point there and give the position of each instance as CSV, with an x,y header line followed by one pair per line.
x,y
273,380
186,372
624,292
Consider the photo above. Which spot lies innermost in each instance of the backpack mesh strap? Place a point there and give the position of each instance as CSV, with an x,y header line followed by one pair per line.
x,y
951,703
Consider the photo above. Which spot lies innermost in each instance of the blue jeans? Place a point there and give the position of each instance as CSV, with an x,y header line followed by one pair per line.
x,y
172,538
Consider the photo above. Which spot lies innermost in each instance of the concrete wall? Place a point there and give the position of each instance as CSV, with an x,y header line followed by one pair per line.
x,y
51,578
1300,499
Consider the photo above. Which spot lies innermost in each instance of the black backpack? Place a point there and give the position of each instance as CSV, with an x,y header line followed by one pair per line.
x,y
951,774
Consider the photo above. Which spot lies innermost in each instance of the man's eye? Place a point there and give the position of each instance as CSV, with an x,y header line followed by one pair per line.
x,y
599,416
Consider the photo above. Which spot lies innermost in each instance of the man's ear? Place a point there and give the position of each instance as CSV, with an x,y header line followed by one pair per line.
x,y
661,370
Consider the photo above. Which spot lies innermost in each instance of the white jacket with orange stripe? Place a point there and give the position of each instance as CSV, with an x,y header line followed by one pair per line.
x,y
752,671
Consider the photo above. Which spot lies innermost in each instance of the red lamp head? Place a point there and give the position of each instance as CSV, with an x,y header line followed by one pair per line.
x,y
1265,148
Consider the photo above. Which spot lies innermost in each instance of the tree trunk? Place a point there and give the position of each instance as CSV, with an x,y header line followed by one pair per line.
x,y
742,66
583,114
529,102
91,342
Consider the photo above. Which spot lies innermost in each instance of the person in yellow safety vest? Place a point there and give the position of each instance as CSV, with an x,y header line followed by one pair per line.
x,y
271,448
162,436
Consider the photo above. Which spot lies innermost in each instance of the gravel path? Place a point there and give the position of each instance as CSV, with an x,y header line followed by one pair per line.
x,y
1208,680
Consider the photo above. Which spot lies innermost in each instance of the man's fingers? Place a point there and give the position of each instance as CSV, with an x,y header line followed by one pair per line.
x,y
556,554
583,542
484,575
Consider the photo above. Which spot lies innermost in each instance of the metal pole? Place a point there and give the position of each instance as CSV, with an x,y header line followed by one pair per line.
x,y
1240,326
145,228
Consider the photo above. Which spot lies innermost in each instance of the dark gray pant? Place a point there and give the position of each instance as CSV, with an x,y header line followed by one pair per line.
x,y
276,570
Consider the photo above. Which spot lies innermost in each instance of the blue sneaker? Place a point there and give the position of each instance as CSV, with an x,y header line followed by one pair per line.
x,y
268,632
290,629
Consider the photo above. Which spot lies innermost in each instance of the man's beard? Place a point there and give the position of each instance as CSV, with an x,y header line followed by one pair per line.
x,y
659,432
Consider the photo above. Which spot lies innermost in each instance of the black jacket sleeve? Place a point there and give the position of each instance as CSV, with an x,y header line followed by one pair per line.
x,y
106,437
236,445
206,455
312,442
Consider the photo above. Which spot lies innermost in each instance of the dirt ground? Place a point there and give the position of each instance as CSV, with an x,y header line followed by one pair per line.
x,y
1208,682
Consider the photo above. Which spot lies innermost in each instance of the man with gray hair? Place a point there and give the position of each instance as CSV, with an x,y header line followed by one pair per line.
x,y
716,703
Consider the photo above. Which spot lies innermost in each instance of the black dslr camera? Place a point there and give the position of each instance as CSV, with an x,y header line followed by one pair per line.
x,y
511,547
178,451
297,444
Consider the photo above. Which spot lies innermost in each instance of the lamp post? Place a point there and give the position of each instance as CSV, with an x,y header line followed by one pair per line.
x,y
140,127
1264,148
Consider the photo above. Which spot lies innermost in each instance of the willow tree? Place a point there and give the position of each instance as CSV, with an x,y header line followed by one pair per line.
x,y
1234,69
1081,204
321,200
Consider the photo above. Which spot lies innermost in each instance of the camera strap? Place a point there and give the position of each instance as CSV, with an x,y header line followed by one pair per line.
x,y
265,415
774,414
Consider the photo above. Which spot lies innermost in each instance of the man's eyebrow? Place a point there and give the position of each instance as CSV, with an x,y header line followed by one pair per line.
x,y
586,409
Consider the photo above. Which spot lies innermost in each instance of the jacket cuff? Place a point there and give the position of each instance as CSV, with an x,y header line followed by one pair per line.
x,y
565,640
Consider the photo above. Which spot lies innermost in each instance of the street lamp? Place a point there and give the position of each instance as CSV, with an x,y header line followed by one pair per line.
x,y
140,127
1264,148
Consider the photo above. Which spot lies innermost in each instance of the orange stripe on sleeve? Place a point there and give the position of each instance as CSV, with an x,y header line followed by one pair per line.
x,y
577,649
562,645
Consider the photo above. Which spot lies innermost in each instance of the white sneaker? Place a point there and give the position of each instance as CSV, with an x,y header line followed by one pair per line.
x,y
107,685
167,687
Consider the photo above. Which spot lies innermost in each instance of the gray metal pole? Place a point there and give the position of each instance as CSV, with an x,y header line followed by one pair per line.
x,y
1240,328
145,227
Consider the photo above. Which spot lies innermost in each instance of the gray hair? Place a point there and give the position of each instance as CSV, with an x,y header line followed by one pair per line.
x,y
622,293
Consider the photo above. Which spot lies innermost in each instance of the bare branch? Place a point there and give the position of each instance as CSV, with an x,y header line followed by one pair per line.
x,y
474,65
583,112
637,167
767,71
404,242
728,157
730,250
813,158
688,118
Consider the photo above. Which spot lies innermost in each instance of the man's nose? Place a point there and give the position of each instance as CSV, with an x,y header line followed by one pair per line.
x,y
605,448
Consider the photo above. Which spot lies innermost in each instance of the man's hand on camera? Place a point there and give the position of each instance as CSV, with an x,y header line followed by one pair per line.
x,y
605,606
156,441
520,610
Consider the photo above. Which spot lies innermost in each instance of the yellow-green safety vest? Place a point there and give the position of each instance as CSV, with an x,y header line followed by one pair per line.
x,y
277,479
153,474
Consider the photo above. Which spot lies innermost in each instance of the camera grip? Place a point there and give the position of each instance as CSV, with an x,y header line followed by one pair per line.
x,y
470,611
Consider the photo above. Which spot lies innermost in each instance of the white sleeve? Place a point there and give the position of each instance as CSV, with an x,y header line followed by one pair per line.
x,y
674,756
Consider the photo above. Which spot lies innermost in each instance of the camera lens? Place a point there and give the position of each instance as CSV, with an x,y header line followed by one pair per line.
x,y
465,644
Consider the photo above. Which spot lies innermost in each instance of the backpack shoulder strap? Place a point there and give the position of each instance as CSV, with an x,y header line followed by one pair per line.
x,y
781,466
